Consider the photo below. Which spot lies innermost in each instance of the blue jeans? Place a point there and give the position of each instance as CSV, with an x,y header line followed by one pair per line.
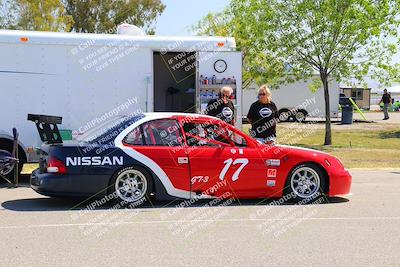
x,y
385,110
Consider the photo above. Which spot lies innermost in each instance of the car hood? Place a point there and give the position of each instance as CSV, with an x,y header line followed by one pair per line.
x,y
295,149
280,151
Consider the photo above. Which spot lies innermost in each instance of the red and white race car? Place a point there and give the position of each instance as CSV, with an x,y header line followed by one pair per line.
x,y
177,155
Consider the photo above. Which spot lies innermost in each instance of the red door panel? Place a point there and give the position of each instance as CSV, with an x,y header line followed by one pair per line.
x,y
238,170
167,158
205,166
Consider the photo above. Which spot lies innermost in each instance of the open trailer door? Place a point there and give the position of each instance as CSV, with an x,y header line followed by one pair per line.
x,y
174,81
215,70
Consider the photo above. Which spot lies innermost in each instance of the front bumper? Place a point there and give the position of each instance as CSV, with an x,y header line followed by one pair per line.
x,y
340,183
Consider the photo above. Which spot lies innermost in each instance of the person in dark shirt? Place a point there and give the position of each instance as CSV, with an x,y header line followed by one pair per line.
x,y
263,116
386,100
222,107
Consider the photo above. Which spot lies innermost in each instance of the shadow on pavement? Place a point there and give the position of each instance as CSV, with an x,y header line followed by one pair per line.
x,y
66,204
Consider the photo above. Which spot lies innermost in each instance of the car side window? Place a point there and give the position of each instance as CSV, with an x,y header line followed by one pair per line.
x,y
198,134
237,139
135,137
164,132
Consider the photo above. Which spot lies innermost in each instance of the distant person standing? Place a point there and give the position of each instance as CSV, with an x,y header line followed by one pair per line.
x,y
263,116
222,107
386,100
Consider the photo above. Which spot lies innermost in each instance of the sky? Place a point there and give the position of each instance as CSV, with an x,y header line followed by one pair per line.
x,y
179,15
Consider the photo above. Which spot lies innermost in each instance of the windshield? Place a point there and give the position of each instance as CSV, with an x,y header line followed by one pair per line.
x,y
107,130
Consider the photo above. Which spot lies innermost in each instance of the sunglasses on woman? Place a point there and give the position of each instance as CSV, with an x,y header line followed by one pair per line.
x,y
262,94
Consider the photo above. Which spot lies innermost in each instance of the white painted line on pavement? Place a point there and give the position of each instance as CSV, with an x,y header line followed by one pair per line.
x,y
191,221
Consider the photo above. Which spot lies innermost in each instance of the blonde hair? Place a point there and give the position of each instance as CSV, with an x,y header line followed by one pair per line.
x,y
226,88
264,89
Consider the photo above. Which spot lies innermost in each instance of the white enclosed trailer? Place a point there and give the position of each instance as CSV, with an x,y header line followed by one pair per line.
x,y
298,98
87,78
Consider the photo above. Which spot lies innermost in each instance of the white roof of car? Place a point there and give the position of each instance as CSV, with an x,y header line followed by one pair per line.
x,y
163,115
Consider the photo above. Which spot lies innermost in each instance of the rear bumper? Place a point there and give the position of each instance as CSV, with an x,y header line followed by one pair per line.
x,y
340,183
48,184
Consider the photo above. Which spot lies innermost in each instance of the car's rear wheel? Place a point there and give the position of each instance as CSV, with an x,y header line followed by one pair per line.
x,y
132,185
306,181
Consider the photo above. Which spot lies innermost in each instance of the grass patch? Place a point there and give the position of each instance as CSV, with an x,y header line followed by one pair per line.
x,y
353,139
356,148
390,134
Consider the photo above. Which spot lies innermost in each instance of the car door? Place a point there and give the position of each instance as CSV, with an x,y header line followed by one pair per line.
x,y
221,161
161,142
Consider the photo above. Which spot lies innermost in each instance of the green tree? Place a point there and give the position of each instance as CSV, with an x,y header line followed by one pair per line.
x,y
94,16
102,16
339,39
46,15
7,14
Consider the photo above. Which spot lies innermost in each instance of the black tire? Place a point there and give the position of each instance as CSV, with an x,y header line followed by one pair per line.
x,y
133,201
284,115
292,190
300,115
8,146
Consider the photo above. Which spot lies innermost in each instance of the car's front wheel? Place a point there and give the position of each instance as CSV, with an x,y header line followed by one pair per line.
x,y
132,185
306,181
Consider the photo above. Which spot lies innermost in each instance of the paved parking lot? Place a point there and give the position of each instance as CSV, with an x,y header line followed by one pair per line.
x,y
378,117
361,229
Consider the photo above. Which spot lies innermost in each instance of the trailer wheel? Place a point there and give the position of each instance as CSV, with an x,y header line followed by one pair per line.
x,y
300,116
7,145
284,115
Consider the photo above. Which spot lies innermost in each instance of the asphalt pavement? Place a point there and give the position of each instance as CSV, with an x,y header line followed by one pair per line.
x,y
360,229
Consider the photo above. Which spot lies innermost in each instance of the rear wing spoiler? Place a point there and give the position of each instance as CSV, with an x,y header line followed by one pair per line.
x,y
47,127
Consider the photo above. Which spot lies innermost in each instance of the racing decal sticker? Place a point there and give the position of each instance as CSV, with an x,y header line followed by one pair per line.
x,y
271,182
271,173
273,162
228,164
199,179
94,161
183,160
265,112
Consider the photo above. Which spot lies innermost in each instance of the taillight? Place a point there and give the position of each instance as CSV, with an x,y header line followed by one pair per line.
x,y
55,165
